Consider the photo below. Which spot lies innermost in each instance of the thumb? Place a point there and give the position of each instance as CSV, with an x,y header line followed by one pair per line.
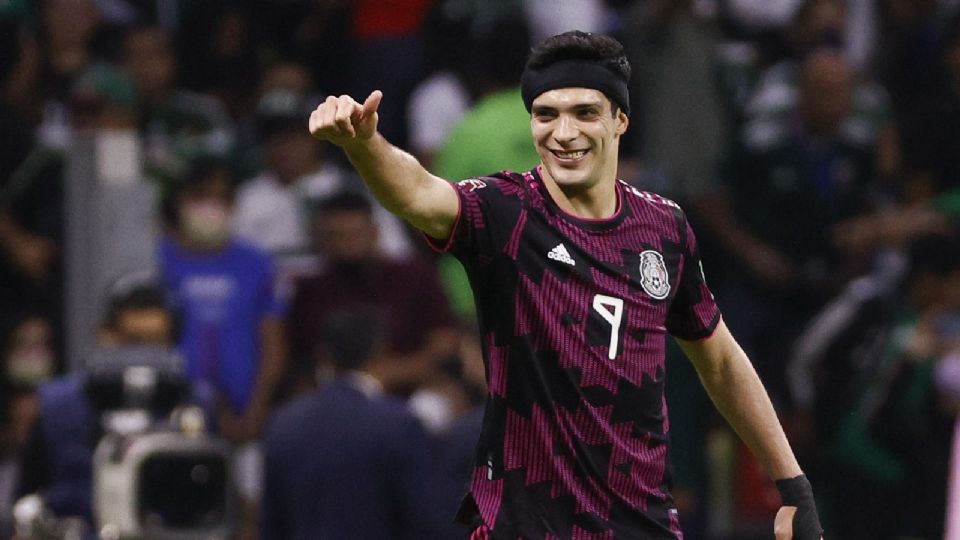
x,y
783,524
371,104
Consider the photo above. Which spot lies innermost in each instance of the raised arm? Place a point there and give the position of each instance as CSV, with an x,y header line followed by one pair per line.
x,y
393,176
739,395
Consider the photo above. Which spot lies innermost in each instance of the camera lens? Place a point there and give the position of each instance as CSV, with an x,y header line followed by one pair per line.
x,y
183,492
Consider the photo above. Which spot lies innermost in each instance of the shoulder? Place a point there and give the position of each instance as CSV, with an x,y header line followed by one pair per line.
x,y
504,182
66,388
651,205
173,258
258,186
242,248
393,409
656,211
647,197
311,282
288,420
391,415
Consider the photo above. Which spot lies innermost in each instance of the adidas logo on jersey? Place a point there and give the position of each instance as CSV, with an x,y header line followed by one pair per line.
x,y
561,254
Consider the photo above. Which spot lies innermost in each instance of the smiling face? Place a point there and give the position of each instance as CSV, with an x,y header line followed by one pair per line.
x,y
577,136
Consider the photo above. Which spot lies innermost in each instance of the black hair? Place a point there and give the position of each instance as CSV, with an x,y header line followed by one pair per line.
x,y
351,336
12,320
137,297
198,171
579,45
281,111
139,291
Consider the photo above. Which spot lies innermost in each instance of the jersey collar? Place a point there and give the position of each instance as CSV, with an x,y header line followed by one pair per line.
x,y
535,180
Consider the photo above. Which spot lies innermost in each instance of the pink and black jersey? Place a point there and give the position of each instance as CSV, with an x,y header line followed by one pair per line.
x,y
574,316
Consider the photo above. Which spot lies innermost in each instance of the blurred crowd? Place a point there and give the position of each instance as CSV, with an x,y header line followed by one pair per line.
x,y
815,145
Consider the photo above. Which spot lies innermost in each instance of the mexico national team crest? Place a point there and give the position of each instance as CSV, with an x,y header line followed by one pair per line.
x,y
653,274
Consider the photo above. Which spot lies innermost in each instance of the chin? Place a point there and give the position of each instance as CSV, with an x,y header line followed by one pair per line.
x,y
569,178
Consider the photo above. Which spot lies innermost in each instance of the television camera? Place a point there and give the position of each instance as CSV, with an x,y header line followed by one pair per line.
x,y
158,472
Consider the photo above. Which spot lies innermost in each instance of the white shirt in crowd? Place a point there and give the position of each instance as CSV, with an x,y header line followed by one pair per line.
x,y
276,217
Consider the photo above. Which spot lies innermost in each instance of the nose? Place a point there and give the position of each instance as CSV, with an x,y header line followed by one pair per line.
x,y
566,129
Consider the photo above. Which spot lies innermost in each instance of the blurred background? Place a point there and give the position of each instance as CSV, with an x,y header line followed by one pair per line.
x,y
200,305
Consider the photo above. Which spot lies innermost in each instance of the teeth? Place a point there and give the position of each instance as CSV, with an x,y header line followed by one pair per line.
x,y
571,155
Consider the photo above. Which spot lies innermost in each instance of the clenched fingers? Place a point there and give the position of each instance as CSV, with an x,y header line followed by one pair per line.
x,y
333,118
347,114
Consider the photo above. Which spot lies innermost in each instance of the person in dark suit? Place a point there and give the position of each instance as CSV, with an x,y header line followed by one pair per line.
x,y
347,461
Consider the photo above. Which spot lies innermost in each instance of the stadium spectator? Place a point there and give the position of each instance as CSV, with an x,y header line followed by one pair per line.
x,y
786,184
864,369
820,24
217,44
229,298
68,30
27,359
346,460
18,413
177,125
420,331
28,348
32,217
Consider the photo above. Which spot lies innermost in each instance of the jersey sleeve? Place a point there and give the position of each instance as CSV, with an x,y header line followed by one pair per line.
x,y
693,313
490,210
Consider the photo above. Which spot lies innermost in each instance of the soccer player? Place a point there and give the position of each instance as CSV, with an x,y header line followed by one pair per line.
x,y
579,278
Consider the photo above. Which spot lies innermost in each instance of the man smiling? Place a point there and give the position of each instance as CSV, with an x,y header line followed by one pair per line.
x,y
579,278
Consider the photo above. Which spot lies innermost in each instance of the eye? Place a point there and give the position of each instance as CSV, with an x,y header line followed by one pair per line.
x,y
544,115
588,113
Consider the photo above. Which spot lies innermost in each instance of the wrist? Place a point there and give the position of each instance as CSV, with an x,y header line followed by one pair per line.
x,y
359,146
795,491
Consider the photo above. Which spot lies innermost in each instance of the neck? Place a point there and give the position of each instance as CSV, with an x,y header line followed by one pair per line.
x,y
198,248
365,381
596,201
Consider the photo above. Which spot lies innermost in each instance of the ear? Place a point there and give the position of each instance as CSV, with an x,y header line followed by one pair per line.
x,y
623,121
